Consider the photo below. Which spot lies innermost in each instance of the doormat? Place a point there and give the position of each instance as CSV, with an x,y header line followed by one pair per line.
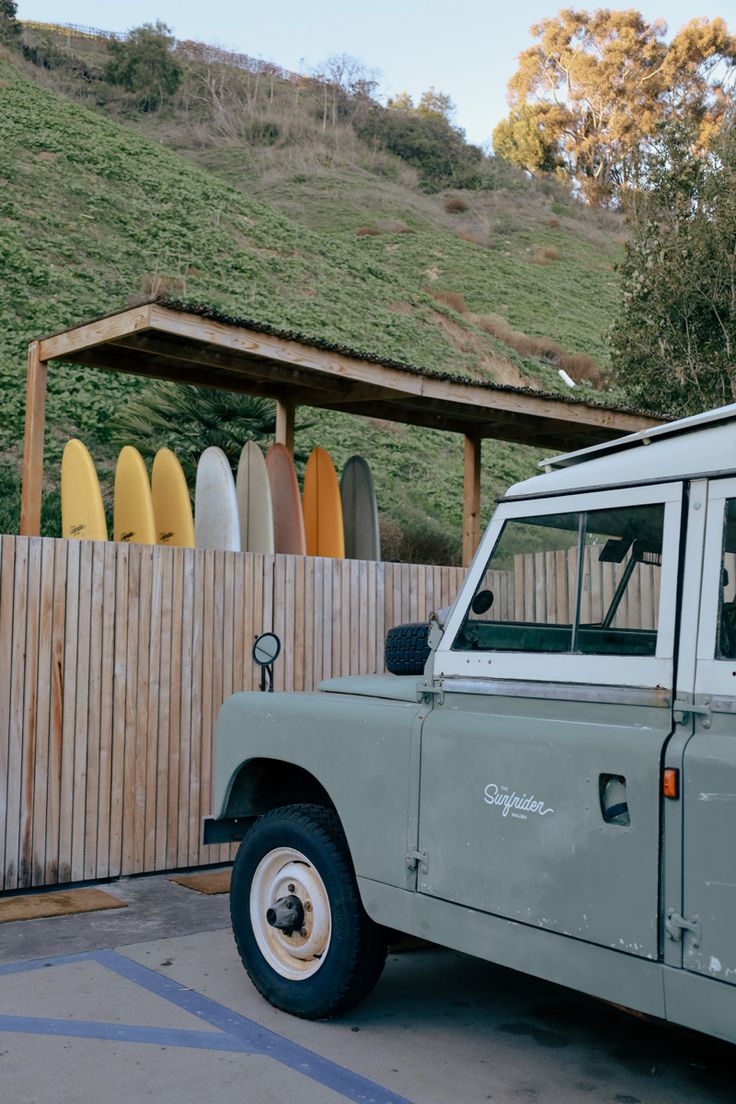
x,y
34,906
209,881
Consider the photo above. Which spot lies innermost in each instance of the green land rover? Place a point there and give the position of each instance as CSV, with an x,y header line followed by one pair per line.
x,y
555,791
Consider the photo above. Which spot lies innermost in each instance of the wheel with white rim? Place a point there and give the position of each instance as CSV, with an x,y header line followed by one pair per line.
x,y
290,913
299,924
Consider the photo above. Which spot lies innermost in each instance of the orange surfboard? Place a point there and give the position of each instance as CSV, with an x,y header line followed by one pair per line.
x,y
288,520
322,507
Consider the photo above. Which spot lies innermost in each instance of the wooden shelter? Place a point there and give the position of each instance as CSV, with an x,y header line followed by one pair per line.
x,y
191,344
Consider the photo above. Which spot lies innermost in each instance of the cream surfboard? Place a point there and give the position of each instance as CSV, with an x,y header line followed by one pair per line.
x,y
133,521
172,507
359,511
216,523
288,519
254,501
82,508
322,507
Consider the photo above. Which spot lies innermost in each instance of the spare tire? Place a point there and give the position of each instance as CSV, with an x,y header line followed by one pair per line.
x,y
407,648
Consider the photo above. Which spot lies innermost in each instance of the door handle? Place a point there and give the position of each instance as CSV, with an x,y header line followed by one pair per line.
x,y
614,802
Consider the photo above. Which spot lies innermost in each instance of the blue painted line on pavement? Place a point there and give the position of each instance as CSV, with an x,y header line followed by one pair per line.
x,y
31,964
121,1033
235,1033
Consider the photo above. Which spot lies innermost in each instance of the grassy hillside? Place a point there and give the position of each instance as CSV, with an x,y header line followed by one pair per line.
x,y
93,213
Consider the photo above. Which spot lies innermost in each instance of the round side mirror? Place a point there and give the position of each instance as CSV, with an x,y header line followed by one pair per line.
x,y
482,602
266,649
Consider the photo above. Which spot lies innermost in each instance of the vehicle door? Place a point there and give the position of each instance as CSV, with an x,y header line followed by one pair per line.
x,y
709,767
540,762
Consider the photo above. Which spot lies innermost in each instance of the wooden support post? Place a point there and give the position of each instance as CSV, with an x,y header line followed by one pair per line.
x,y
30,506
285,424
471,499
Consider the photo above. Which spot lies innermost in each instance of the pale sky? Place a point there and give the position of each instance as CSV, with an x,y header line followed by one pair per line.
x,y
467,50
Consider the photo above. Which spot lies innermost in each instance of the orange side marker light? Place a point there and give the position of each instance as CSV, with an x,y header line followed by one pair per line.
x,y
671,782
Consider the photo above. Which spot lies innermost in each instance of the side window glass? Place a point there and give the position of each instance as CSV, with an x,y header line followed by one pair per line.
x,y
619,592
726,643
525,601
584,583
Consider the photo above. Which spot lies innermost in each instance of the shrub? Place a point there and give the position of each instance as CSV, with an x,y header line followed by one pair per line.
x,y
417,539
553,222
143,63
455,205
10,29
430,143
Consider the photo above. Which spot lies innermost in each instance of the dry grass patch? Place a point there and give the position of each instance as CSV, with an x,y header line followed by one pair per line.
x,y
396,226
475,239
523,343
367,232
454,205
545,254
583,368
452,299
553,222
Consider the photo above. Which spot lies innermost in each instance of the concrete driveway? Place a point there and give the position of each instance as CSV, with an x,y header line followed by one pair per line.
x,y
151,1003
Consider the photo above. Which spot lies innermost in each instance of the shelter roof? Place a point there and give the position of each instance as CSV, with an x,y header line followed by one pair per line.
x,y
192,343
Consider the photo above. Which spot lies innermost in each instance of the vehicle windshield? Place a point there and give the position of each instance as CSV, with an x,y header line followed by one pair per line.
x,y
584,583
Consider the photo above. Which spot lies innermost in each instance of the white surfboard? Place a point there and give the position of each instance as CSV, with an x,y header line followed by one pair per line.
x,y
254,501
216,523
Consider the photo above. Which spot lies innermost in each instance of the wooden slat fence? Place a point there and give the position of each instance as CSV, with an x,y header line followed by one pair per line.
x,y
114,660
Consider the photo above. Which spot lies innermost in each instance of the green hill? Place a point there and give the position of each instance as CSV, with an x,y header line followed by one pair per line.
x,y
95,212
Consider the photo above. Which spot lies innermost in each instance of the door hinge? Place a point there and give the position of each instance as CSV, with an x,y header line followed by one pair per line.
x,y
683,709
420,857
675,925
427,690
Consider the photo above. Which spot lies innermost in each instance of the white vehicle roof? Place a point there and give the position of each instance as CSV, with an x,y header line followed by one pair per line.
x,y
699,445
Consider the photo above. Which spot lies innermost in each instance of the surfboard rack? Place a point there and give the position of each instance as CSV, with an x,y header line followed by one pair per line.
x,y
266,649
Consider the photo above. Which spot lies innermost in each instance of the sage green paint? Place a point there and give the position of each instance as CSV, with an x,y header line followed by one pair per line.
x,y
359,749
473,807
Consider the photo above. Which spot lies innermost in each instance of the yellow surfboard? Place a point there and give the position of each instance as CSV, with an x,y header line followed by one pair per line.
x,y
134,522
82,509
322,507
172,507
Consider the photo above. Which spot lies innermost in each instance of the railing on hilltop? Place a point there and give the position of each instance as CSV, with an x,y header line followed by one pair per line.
x,y
192,51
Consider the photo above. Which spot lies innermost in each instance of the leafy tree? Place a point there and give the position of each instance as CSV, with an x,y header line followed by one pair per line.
x,y
673,346
522,139
143,63
436,104
612,78
10,29
402,101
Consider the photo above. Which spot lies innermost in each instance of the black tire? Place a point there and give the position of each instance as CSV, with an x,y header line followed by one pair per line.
x,y
407,648
354,958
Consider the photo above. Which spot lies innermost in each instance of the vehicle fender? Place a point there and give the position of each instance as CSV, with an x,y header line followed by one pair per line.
x,y
353,751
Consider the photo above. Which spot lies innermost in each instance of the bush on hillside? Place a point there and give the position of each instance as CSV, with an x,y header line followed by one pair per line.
x,y
418,539
143,64
9,25
673,343
436,149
